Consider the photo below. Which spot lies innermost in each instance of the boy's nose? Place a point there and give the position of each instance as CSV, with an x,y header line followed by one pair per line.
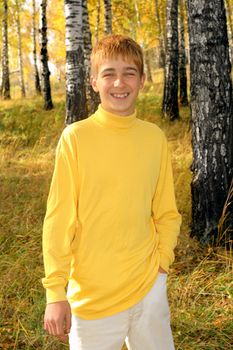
x,y
118,82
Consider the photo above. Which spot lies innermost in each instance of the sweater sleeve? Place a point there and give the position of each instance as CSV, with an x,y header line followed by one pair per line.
x,y
60,221
166,218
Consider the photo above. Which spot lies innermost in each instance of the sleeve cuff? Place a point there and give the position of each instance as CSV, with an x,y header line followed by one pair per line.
x,y
164,262
55,294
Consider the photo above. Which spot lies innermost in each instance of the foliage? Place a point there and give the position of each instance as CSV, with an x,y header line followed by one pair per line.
x,y
200,283
124,22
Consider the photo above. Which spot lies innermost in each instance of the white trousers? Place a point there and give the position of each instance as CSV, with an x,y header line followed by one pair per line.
x,y
145,326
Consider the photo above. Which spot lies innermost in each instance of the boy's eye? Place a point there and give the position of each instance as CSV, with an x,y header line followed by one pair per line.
x,y
130,74
108,75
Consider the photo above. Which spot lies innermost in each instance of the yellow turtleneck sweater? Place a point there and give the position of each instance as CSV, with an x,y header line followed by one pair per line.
x,y
111,217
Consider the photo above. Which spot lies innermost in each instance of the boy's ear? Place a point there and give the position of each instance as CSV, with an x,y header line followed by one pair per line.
x,y
93,83
143,78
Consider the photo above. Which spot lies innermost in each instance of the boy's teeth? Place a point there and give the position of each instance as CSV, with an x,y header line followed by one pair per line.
x,y
120,95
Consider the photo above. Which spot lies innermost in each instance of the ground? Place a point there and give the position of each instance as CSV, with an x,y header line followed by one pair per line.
x,y
200,284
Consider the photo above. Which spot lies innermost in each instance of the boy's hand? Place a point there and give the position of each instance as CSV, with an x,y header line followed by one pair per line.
x,y
57,319
161,270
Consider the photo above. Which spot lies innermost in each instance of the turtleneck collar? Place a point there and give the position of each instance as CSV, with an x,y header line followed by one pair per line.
x,y
115,121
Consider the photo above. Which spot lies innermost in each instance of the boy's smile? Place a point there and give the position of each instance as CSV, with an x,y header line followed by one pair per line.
x,y
118,83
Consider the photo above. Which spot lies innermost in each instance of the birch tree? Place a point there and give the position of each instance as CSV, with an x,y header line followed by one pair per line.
x,y
170,95
76,104
20,57
107,17
211,116
48,104
34,32
141,42
230,26
93,99
160,35
97,26
148,66
183,96
5,87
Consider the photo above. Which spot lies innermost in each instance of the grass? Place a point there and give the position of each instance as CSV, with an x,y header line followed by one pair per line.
x,y
200,284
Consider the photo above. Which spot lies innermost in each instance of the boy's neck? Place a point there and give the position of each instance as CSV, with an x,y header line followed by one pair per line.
x,y
113,120
117,114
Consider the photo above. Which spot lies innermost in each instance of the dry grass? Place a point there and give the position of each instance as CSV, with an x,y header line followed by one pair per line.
x,y
200,283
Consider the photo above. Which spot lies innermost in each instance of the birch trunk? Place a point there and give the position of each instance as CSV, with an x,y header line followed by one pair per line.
x,y
182,58
230,27
160,36
20,57
211,116
76,104
34,31
140,41
148,67
170,96
97,27
5,87
48,104
107,17
93,99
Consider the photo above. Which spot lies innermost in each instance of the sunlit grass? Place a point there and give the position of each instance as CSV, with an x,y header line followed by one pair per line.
x,y
200,283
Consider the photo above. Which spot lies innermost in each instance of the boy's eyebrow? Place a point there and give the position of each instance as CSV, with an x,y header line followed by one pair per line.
x,y
132,68
107,70
113,69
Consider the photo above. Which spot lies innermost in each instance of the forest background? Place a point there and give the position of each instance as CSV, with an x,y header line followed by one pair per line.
x,y
200,283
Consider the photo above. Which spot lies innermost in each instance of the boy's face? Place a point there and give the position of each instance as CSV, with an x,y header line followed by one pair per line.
x,y
118,83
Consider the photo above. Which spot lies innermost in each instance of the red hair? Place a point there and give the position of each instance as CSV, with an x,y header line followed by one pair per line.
x,y
113,46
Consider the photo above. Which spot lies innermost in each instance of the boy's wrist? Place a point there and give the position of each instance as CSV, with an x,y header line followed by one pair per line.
x,y
165,262
161,270
55,294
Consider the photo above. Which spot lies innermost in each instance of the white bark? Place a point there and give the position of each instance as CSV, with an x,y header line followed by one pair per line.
x,y
5,87
160,36
34,31
20,57
76,104
93,99
73,15
107,17
211,116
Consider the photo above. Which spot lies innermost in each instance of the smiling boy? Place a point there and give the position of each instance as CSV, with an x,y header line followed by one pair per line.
x,y
118,84
111,224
